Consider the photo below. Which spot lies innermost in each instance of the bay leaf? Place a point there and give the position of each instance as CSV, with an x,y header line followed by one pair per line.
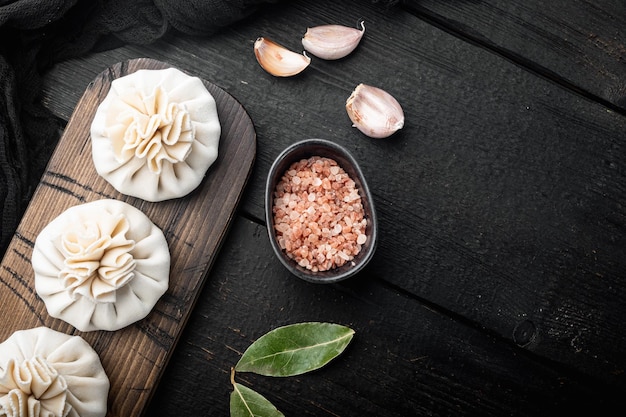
x,y
295,349
245,402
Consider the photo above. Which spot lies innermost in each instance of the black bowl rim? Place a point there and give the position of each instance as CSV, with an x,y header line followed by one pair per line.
x,y
295,152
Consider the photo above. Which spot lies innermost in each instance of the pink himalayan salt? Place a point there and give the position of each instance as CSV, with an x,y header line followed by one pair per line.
x,y
318,214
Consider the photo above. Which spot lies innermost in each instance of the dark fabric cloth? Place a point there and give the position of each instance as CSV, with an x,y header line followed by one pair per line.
x,y
36,34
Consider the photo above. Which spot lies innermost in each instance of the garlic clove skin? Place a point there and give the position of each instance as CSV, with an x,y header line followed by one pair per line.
x,y
332,41
375,112
278,60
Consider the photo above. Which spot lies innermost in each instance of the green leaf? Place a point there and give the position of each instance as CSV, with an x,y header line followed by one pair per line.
x,y
295,349
245,402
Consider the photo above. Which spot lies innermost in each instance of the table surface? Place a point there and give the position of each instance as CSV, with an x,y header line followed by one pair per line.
x,y
498,284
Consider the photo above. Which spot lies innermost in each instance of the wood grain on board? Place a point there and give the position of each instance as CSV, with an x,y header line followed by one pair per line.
x,y
194,227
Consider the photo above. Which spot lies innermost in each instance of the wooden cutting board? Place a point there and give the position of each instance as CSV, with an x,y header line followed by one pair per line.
x,y
194,226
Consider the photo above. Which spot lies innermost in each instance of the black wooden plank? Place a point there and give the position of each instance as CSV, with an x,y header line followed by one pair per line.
x,y
581,44
405,359
500,202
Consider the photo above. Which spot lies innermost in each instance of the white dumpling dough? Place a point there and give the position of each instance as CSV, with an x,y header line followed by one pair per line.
x,y
101,265
45,373
155,134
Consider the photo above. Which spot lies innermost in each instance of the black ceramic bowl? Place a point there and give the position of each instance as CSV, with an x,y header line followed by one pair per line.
x,y
323,148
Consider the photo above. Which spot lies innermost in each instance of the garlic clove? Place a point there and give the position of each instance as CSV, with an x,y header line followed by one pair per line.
x,y
332,41
278,60
374,111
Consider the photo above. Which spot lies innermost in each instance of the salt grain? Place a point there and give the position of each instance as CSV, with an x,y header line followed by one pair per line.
x,y
316,203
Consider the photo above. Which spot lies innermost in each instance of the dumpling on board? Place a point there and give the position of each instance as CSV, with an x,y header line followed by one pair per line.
x,y
48,373
101,265
155,134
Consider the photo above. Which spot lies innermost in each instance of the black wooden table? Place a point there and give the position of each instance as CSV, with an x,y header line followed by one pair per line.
x,y
498,284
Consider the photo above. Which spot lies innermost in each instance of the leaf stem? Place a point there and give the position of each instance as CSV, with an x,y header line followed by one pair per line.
x,y
232,375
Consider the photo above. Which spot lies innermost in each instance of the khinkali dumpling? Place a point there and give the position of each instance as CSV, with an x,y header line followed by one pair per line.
x,y
155,134
45,373
101,265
